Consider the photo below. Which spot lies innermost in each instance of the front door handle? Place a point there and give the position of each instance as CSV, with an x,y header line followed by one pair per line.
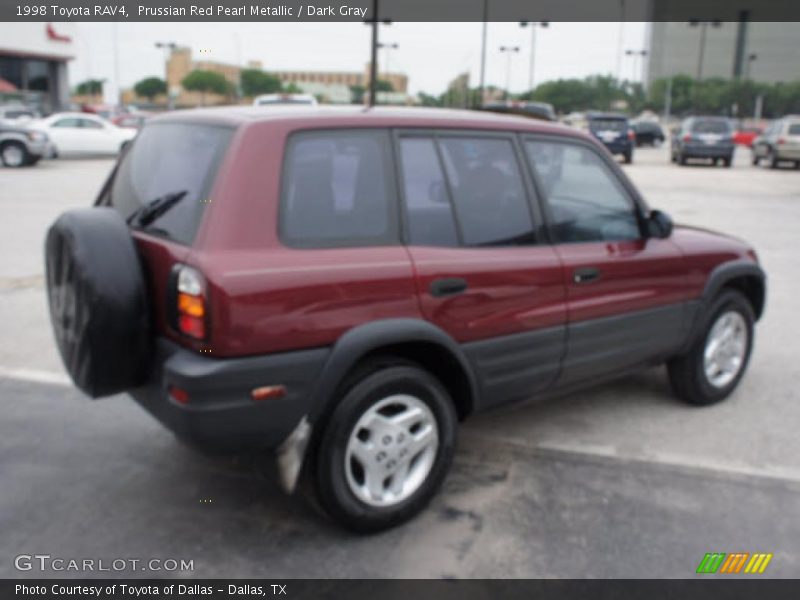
x,y
585,274
448,286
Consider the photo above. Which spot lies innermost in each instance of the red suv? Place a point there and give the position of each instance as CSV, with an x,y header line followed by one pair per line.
x,y
342,287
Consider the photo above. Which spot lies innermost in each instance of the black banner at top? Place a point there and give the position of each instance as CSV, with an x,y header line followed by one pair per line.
x,y
399,10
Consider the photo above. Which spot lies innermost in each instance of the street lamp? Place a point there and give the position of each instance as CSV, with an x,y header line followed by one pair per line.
x,y
168,47
750,59
388,47
533,25
703,27
509,52
635,54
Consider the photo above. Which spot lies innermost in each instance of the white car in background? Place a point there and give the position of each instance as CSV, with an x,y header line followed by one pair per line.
x,y
83,134
273,99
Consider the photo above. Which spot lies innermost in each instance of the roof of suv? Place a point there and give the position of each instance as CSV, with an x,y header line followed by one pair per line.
x,y
380,116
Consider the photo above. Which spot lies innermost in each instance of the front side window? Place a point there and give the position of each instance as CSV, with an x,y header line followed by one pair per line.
x,y
90,124
487,191
337,190
586,201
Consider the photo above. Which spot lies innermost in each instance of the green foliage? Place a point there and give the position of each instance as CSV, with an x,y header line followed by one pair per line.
x,y
206,81
150,87
357,94
383,86
292,88
255,82
90,87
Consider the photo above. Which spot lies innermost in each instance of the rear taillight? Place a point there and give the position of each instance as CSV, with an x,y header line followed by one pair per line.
x,y
687,138
191,309
631,135
781,141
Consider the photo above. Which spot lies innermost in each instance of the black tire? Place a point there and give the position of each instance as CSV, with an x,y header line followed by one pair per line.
x,y
755,160
772,158
727,162
682,160
98,303
32,160
334,492
687,374
628,158
14,154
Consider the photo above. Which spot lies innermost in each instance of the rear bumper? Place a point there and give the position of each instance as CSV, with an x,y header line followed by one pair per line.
x,y
220,414
784,153
704,151
625,147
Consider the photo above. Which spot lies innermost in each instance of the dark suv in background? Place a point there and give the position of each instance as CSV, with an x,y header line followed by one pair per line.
x,y
341,287
615,133
706,138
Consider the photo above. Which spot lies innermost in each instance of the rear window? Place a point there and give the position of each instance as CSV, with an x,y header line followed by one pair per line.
x,y
168,159
794,129
709,126
608,125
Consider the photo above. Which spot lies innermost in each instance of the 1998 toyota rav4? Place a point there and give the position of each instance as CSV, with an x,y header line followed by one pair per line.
x,y
344,286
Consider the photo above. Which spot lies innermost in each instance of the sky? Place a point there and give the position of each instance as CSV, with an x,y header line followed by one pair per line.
x,y
431,54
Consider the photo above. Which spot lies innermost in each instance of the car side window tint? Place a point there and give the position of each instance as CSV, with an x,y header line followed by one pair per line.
x,y
428,210
337,190
90,124
69,122
585,199
487,190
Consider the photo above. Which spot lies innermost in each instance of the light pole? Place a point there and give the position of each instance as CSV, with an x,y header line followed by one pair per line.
x,y
750,59
168,47
635,54
703,28
483,53
533,25
509,52
374,44
388,47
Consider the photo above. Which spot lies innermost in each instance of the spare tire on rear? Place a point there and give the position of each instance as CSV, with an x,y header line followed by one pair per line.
x,y
98,302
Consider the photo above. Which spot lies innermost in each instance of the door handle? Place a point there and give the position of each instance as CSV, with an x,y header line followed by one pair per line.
x,y
585,274
448,286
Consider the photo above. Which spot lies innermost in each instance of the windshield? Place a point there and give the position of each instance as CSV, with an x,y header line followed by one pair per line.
x,y
166,158
709,126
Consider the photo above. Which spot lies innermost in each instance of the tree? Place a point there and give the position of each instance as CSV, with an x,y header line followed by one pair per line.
x,y
357,93
255,82
90,87
292,89
150,87
383,86
206,81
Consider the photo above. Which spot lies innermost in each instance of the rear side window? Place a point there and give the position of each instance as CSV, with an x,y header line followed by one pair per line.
x,y
487,190
338,191
428,209
794,129
170,159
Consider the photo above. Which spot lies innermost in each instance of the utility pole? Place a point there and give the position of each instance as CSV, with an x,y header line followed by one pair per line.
x,y
373,65
483,53
509,51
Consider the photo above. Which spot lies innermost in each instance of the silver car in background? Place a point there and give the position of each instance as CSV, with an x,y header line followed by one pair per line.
x,y
780,142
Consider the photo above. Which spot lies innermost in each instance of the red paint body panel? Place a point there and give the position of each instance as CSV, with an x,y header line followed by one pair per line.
x,y
265,297
510,290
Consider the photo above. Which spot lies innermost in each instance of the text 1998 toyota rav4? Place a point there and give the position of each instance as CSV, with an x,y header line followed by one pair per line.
x,y
344,286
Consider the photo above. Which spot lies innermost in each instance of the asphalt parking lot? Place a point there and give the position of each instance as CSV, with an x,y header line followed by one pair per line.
x,y
618,481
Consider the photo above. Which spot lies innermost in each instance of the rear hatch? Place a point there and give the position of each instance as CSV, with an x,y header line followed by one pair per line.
x,y
791,141
161,187
609,130
712,132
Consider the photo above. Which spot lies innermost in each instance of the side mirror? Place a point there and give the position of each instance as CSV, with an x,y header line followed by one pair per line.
x,y
659,224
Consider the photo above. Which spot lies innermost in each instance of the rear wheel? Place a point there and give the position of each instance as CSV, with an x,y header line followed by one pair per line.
x,y
628,158
772,158
386,448
712,368
681,159
14,154
755,160
727,161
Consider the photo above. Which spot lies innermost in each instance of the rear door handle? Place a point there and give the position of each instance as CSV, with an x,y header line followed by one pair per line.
x,y
448,286
585,274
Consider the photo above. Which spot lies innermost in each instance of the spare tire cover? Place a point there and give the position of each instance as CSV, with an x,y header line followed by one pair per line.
x,y
98,302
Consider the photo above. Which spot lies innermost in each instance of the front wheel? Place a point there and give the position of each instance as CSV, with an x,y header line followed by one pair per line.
x,y
386,448
712,368
14,154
